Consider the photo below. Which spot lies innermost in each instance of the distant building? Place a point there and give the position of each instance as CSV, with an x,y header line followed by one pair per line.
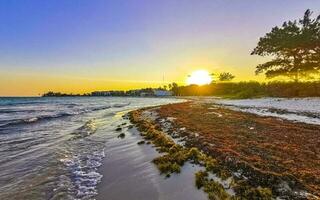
x,y
148,92
162,93
100,93
108,93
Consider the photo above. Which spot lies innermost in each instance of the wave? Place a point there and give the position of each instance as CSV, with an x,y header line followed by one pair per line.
x,y
23,103
84,173
120,105
100,108
34,119
48,117
8,111
87,129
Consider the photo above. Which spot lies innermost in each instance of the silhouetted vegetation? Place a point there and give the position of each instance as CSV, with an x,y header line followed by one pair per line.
x,y
226,76
252,89
228,89
143,92
60,94
295,48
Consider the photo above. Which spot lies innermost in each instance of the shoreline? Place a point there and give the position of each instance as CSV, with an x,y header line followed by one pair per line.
x,y
285,185
128,172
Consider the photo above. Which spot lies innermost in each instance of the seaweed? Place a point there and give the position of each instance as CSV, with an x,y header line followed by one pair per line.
x,y
130,126
141,142
215,190
121,135
201,178
175,156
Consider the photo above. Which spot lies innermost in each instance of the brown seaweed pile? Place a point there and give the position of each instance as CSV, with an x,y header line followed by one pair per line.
x,y
174,156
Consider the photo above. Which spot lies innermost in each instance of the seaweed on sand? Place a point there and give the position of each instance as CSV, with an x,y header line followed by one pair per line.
x,y
141,142
121,135
176,155
201,178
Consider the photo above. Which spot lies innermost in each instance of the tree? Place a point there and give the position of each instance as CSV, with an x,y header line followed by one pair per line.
x,y
295,48
226,76
174,88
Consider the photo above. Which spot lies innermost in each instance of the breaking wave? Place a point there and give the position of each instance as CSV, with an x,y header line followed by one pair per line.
x,y
84,176
16,122
87,129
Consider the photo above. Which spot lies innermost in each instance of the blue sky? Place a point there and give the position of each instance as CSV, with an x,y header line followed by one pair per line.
x,y
132,43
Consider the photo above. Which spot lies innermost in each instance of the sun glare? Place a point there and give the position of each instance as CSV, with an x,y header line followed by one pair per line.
x,y
199,77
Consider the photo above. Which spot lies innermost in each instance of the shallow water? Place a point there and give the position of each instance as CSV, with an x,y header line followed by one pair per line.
x,y
129,174
58,148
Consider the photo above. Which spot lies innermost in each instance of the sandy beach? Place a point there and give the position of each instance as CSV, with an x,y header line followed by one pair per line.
x,y
256,156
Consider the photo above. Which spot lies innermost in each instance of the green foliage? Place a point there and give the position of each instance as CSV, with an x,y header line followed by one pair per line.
x,y
226,76
295,48
173,87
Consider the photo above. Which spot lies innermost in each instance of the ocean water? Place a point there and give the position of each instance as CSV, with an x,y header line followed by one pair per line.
x,y
52,148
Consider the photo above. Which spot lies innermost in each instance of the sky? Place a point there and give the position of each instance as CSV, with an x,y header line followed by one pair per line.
x,y
81,46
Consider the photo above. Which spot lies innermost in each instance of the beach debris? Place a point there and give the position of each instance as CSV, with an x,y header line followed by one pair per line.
x,y
141,142
223,181
215,113
121,135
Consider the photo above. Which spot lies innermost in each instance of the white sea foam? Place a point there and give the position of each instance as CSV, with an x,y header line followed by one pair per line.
x,y
84,173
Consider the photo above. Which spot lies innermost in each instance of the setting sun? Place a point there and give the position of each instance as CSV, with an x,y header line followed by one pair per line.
x,y
199,77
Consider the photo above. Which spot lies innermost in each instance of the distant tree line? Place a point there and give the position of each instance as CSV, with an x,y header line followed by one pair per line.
x,y
116,93
251,89
60,94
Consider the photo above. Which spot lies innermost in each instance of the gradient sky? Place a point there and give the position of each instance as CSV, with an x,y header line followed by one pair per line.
x,y
86,45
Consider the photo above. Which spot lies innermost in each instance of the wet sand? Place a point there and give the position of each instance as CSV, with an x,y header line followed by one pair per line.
x,y
128,173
